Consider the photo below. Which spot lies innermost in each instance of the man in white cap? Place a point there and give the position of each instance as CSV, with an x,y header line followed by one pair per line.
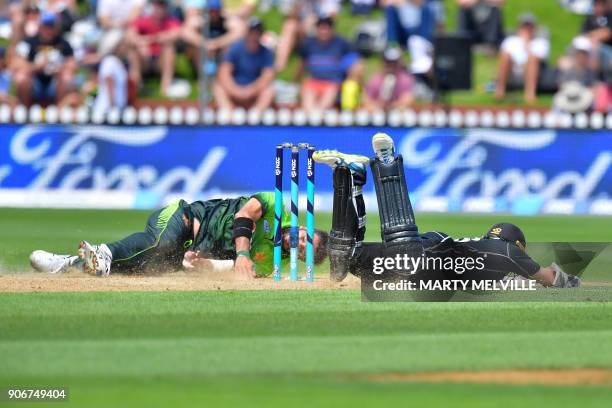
x,y
579,82
580,64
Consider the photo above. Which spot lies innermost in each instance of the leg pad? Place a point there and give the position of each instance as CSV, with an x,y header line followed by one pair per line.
x,y
396,216
340,251
345,224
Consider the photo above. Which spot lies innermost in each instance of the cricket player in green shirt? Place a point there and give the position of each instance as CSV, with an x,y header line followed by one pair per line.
x,y
211,235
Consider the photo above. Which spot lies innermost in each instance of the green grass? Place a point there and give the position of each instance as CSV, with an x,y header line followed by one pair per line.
x,y
248,348
285,348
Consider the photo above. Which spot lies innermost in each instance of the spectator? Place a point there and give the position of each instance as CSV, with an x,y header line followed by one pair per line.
x,y
577,78
246,74
299,23
482,20
65,10
5,14
216,18
362,7
25,19
392,87
46,65
152,40
238,8
227,24
412,24
223,30
112,73
579,66
25,16
522,62
603,97
598,28
118,13
328,58
5,80
439,13
192,30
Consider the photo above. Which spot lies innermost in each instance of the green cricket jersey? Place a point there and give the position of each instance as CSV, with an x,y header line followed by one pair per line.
x,y
216,219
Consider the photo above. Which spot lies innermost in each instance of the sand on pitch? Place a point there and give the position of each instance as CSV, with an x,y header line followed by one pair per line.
x,y
75,281
179,281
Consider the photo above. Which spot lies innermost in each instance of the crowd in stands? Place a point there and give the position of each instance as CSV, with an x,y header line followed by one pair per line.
x,y
101,53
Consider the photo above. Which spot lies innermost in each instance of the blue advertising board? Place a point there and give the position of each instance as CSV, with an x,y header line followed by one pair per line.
x,y
504,166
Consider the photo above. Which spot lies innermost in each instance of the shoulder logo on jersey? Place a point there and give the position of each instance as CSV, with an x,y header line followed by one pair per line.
x,y
266,226
496,231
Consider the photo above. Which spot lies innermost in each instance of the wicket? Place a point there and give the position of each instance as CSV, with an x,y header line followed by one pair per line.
x,y
294,225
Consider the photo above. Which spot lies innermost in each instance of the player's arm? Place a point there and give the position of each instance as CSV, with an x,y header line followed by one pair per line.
x,y
193,262
266,77
244,221
600,35
226,80
551,275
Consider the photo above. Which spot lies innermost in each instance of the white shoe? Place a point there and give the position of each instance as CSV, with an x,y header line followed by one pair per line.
x,y
96,258
354,162
334,158
384,148
48,262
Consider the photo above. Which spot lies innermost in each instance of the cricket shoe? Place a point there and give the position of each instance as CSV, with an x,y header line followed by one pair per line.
x,y
96,258
384,148
354,162
44,261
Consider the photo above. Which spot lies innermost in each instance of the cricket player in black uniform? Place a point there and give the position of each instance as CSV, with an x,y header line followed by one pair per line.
x,y
502,249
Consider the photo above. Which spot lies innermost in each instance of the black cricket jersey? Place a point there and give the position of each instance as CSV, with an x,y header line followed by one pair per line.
x,y
500,257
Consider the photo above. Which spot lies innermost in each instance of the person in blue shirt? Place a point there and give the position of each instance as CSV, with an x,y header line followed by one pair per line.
x,y
328,60
246,73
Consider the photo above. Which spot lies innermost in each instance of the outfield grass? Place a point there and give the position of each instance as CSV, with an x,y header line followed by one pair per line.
x,y
249,347
285,348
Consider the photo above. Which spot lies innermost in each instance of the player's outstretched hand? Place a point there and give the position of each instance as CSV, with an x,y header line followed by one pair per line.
x,y
189,258
244,267
193,262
